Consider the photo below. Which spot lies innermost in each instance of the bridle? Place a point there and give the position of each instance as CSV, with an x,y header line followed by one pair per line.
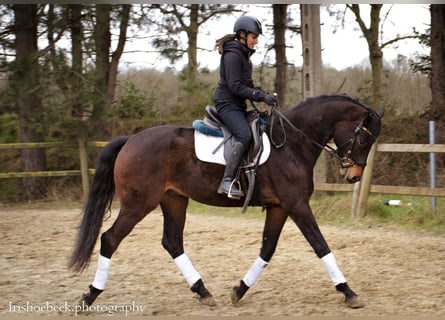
x,y
345,162
348,161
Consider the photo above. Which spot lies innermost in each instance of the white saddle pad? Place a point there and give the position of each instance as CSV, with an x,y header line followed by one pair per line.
x,y
205,145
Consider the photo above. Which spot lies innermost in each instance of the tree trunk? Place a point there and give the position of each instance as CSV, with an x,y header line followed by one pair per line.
x,y
312,69
279,25
26,81
375,55
102,40
371,35
192,34
117,54
310,35
437,80
77,88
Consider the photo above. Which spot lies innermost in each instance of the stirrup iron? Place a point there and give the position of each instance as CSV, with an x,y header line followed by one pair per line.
x,y
233,196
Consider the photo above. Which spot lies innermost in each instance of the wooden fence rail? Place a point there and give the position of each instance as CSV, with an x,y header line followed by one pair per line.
x,y
364,189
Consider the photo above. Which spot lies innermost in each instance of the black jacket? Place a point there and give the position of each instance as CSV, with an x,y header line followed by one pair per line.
x,y
235,84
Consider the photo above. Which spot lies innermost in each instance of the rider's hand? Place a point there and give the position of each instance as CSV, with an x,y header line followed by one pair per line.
x,y
267,98
270,99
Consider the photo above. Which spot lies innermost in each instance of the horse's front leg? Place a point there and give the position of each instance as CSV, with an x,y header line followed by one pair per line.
x,y
174,210
275,219
306,223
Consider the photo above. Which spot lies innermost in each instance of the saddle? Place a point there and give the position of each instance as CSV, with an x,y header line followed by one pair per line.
x,y
213,125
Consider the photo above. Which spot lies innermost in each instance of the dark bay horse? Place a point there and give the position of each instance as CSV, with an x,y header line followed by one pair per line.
x,y
159,166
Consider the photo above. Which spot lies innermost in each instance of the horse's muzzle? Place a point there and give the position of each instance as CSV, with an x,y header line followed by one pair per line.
x,y
352,174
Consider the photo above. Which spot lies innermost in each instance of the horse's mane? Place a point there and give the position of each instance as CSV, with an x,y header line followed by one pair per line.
x,y
316,99
375,119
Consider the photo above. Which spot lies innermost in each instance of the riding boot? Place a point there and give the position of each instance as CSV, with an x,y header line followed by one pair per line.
x,y
228,185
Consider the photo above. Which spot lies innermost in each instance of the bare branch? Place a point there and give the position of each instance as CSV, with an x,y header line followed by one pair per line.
x,y
387,43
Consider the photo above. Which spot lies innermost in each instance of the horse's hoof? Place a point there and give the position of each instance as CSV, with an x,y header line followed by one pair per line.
x,y
205,297
354,302
89,297
208,301
234,297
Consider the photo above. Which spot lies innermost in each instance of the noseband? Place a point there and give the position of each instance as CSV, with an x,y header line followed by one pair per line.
x,y
348,161
345,162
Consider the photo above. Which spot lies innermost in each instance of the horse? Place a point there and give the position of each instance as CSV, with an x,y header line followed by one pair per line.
x,y
158,166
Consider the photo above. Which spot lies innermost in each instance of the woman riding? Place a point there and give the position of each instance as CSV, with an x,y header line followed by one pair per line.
x,y
234,87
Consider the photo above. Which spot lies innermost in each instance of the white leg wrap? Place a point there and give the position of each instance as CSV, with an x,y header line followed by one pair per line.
x,y
255,272
333,270
103,266
188,271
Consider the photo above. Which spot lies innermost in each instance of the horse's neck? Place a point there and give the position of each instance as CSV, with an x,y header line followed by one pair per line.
x,y
317,122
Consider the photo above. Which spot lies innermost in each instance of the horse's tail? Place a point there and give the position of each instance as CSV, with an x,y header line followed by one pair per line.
x,y
99,201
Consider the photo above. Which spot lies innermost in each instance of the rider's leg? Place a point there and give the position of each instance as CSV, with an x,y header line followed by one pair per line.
x,y
234,118
227,186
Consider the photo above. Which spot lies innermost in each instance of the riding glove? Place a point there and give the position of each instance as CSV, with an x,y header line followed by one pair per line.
x,y
270,99
267,98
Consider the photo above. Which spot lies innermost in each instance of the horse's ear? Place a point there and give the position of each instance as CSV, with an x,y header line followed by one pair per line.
x,y
380,113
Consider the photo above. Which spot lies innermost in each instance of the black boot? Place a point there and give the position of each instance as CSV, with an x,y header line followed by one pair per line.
x,y
228,185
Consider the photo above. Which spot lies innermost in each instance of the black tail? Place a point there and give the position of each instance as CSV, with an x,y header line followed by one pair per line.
x,y
99,201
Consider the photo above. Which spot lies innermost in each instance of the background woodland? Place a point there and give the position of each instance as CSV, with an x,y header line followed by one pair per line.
x,y
60,80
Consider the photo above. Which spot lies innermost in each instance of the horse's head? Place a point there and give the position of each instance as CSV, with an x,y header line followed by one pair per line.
x,y
354,141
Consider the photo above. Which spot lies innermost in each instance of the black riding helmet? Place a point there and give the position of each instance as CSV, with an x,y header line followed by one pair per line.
x,y
248,24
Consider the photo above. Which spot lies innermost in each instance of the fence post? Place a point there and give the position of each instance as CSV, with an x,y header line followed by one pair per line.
x,y
355,195
432,130
84,167
365,183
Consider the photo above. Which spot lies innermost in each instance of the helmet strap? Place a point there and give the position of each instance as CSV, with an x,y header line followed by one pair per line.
x,y
241,37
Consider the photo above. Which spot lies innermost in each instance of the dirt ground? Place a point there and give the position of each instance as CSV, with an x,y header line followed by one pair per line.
x,y
396,273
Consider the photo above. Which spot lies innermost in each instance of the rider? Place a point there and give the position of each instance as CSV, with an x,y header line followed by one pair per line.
x,y
234,87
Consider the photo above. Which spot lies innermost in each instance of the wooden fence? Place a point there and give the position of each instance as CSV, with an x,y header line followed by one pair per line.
x,y
360,190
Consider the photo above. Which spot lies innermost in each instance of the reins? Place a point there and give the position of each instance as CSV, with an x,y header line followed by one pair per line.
x,y
282,118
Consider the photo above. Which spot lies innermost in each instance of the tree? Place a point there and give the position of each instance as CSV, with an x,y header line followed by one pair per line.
x,y
87,79
437,78
186,18
76,77
371,35
88,83
312,75
311,40
25,81
279,27
375,47
70,79
34,98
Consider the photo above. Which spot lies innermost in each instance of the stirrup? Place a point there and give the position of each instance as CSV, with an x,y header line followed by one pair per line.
x,y
227,186
236,195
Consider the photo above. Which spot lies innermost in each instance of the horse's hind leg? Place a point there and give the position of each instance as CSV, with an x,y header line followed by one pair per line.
x,y
305,221
110,240
174,209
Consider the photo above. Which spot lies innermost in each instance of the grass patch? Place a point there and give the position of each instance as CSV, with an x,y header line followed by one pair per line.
x,y
416,213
